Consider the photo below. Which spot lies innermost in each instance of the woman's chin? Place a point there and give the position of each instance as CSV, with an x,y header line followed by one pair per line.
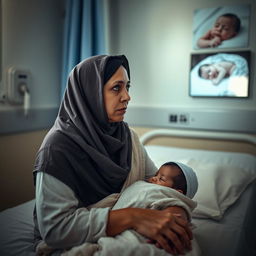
x,y
116,119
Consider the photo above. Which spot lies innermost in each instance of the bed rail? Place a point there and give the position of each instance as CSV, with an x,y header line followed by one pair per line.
x,y
197,134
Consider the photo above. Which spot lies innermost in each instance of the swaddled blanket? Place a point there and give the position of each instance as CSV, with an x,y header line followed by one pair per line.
x,y
141,194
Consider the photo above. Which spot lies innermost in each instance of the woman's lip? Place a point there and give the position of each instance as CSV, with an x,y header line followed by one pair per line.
x,y
121,110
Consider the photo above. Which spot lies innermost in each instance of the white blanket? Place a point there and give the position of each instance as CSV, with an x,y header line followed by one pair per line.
x,y
141,194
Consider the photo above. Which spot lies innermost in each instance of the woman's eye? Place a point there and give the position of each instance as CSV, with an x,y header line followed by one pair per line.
x,y
116,88
128,86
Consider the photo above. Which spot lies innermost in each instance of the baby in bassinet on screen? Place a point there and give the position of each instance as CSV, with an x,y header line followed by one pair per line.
x,y
216,71
225,27
228,73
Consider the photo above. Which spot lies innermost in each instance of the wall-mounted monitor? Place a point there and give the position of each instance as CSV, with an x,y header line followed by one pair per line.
x,y
207,24
220,74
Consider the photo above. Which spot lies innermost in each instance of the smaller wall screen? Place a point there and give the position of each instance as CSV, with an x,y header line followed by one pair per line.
x,y
222,74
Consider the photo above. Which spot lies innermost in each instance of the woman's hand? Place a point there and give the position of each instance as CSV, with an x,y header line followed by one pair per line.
x,y
170,232
182,215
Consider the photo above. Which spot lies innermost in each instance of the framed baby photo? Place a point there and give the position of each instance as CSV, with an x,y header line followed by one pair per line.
x,y
221,27
221,74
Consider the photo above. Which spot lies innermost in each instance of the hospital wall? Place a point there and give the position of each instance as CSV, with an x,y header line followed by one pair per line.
x,y
157,38
32,38
155,35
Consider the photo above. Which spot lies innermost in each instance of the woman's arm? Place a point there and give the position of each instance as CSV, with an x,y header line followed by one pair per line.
x,y
61,223
160,226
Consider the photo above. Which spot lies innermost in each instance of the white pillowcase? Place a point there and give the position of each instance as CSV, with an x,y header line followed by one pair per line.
x,y
220,185
222,176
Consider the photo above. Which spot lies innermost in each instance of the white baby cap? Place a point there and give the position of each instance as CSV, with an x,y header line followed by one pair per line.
x,y
190,175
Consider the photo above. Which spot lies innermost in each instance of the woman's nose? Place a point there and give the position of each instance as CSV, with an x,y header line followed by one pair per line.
x,y
125,96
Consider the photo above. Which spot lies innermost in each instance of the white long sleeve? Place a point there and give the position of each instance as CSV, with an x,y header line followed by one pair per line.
x,y
61,223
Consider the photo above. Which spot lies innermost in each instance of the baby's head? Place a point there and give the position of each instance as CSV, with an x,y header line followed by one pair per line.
x,y
207,71
227,25
177,176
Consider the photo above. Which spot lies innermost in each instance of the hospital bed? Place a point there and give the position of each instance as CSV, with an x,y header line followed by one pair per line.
x,y
225,216
224,219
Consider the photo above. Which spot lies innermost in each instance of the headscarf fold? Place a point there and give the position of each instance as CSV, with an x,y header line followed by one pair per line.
x,y
83,149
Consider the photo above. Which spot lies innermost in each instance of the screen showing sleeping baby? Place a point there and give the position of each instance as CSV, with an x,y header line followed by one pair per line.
x,y
222,74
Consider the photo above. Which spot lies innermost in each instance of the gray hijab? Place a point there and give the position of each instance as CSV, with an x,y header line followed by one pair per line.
x,y
84,150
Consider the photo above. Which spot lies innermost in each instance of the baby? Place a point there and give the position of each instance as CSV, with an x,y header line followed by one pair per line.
x,y
225,27
177,176
174,184
216,71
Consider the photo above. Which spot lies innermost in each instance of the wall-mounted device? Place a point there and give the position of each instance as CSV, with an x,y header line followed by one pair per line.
x,y
18,88
179,118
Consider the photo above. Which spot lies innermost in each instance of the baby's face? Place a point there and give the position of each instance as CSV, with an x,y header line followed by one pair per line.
x,y
224,28
209,72
165,175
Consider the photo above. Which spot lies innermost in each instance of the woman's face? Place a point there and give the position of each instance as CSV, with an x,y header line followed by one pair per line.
x,y
116,95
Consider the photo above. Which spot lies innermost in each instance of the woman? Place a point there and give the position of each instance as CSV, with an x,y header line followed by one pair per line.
x,y
89,154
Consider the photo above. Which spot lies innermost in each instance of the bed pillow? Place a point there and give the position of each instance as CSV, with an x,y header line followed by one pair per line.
x,y
220,185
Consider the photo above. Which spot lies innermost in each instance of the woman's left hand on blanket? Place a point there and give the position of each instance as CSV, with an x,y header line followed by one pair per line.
x,y
170,232
183,216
